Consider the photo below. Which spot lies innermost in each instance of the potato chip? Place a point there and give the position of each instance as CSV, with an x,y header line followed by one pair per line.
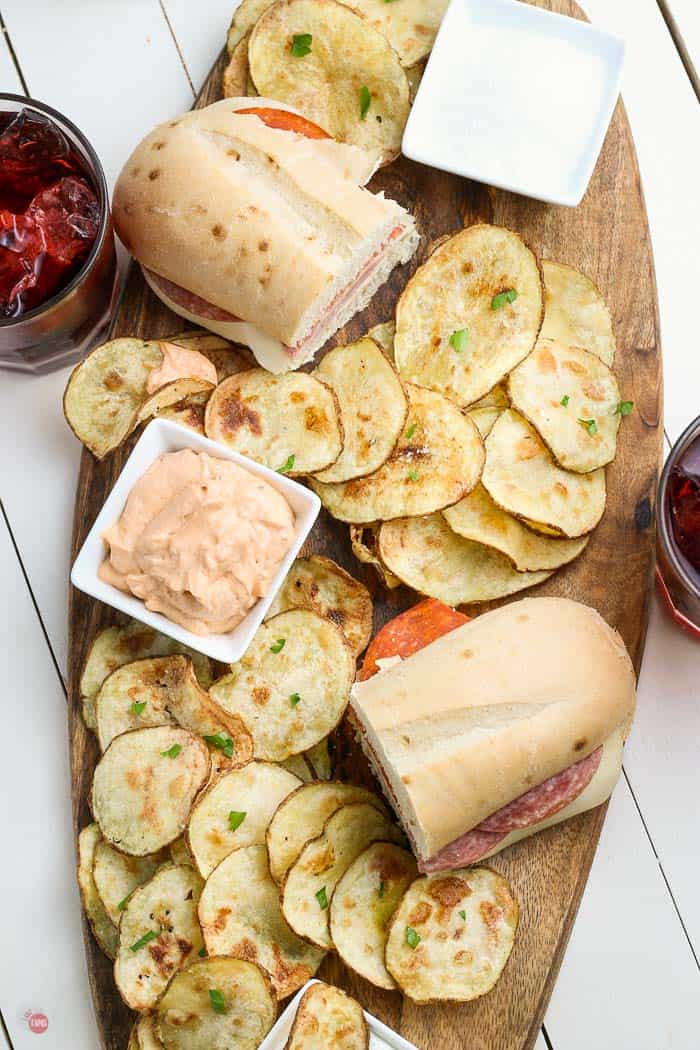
x,y
244,19
299,766
287,422
373,408
478,518
216,1004
188,413
317,583
116,876
301,817
104,930
240,916
163,690
573,401
469,314
328,1019
319,758
432,559
383,336
438,459
522,478
171,394
364,901
144,787
234,81
308,886
575,312
145,1035
291,686
484,419
363,540
497,397
414,75
451,936
235,812
115,646
350,82
179,853
159,934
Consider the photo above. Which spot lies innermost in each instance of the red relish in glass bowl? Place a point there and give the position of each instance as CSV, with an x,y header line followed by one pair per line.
x,y
678,546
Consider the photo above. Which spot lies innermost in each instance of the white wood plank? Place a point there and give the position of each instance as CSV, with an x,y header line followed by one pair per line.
x,y
628,979
685,15
200,39
665,119
9,80
540,1043
111,67
42,965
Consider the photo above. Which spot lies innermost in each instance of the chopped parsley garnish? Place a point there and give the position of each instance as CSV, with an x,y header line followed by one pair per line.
x,y
288,465
202,953
381,888
503,298
411,431
294,699
462,914
143,941
123,903
459,339
218,1003
235,819
301,44
138,706
365,99
278,646
624,408
172,752
412,938
412,475
223,742
565,400
322,898
590,425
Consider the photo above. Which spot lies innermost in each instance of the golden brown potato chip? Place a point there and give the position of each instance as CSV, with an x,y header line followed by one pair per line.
x,y
104,930
317,583
484,419
320,760
363,540
575,312
451,936
373,408
291,686
287,422
188,413
117,875
328,1019
349,82
234,82
240,916
573,401
469,314
383,336
427,555
438,459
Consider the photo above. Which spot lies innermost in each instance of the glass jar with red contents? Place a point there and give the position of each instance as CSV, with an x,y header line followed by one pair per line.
x,y
678,536
57,257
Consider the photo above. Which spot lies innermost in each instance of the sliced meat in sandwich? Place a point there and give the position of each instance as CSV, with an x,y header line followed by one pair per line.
x,y
249,220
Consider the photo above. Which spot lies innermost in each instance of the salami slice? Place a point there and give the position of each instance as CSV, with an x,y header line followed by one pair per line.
x,y
194,304
465,850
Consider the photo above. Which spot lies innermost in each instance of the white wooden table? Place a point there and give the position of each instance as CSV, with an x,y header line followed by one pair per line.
x,y
630,979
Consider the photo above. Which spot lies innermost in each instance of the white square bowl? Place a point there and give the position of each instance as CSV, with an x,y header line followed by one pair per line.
x,y
160,436
516,97
381,1037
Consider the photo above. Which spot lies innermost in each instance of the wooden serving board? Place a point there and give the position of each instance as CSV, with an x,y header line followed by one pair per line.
x,y
607,237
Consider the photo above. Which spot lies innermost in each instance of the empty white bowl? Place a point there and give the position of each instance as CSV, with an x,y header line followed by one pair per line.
x,y
160,436
516,97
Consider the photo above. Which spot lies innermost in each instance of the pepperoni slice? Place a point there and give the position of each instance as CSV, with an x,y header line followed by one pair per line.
x,y
410,631
283,120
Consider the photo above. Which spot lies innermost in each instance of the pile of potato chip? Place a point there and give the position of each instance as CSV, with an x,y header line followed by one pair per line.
x,y
352,68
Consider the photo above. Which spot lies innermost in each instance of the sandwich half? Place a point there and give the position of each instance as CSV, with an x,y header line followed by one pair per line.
x,y
505,725
252,222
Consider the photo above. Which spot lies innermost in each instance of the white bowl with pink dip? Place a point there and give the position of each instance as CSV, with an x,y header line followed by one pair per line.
x,y
160,437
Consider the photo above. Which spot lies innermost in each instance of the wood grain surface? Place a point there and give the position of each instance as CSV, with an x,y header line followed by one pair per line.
x,y
608,238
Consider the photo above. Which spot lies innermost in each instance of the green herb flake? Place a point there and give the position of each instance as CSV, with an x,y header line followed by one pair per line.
x,y
624,408
218,1003
202,953
222,742
123,903
288,465
365,100
301,44
565,400
412,938
172,752
590,425
294,699
322,898
412,475
138,706
462,914
503,298
459,339
381,888
143,941
235,819
278,646
411,431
